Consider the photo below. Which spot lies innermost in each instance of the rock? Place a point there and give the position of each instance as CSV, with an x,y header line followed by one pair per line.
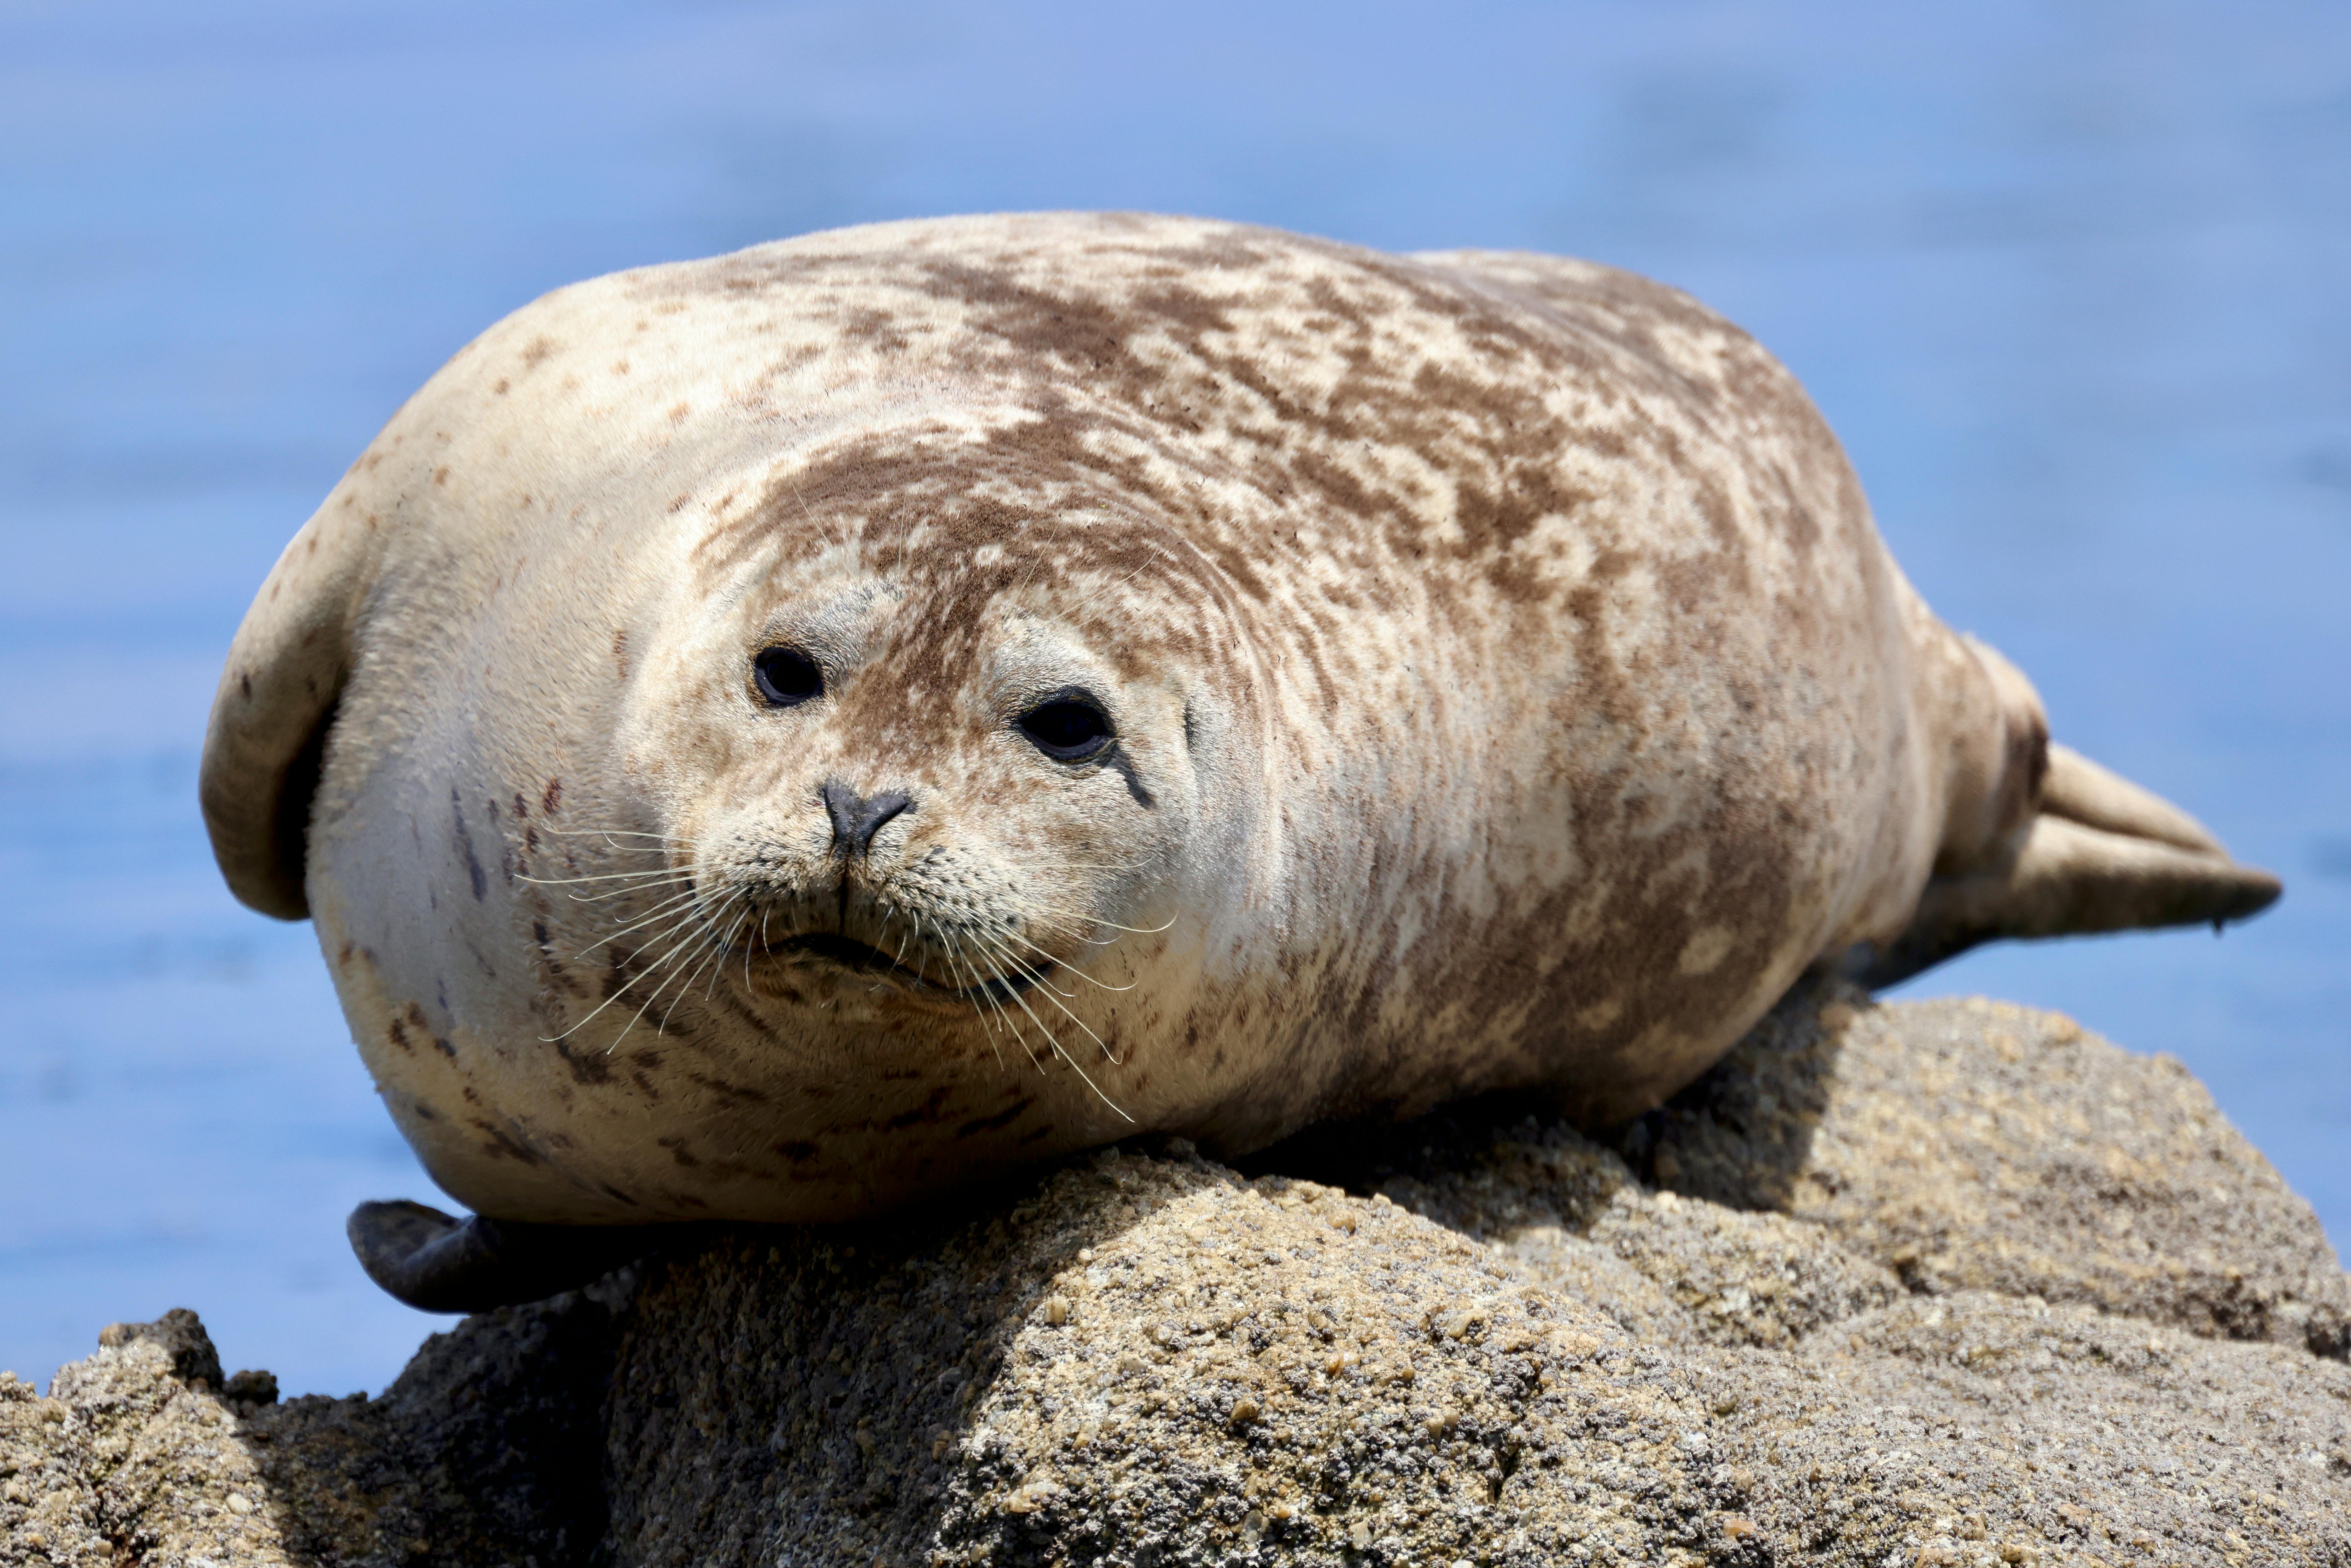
x,y
132,1459
486,1451
48,1511
1920,1283
1685,1271
1976,1145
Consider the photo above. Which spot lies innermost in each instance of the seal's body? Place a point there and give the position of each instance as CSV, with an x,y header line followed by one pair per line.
x,y
768,738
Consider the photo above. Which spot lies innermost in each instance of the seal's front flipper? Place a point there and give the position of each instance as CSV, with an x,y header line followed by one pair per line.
x,y
2099,854
438,1263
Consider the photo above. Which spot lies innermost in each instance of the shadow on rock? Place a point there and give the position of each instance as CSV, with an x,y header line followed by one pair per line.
x,y
855,1362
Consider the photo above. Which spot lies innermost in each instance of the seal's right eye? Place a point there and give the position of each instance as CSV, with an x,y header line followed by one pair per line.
x,y
785,677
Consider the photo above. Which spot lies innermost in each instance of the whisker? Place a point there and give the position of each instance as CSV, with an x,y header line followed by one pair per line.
x,y
665,909
1066,1057
606,897
650,970
764,912
976,1000
1079,865
646,1006
692,915
642,1007
603,876
721,949
922,961
993,993
1098,920
716,947
987,994
617,833
992,943
611,894
1035,979
1080,974
700,941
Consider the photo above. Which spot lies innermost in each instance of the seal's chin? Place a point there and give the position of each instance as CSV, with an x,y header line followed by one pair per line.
x,y
824,951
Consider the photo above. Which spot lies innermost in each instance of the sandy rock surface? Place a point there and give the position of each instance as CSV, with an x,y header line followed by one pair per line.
x,y
1919,1283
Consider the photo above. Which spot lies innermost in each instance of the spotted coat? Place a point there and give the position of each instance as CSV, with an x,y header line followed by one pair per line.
x,y
1507,689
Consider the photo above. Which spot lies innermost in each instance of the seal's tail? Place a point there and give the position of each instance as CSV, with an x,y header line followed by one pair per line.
x,y
2099,853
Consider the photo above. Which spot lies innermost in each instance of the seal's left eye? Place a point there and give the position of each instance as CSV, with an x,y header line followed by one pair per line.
x,y
786,678
1068,726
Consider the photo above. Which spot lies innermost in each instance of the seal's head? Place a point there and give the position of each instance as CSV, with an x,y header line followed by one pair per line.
x,y
925,754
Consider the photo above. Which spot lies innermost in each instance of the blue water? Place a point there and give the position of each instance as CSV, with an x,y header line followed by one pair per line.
x,y
2070,279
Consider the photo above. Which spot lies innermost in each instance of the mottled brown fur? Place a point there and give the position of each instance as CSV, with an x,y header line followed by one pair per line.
x,y
1510,691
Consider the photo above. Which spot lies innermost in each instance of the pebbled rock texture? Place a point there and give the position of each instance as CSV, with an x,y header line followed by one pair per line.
x,y
1927,1283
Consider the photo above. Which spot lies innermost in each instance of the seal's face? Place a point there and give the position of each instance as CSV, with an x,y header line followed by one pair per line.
x,y
949,788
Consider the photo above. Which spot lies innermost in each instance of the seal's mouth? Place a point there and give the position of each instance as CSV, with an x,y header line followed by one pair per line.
x,y
830,949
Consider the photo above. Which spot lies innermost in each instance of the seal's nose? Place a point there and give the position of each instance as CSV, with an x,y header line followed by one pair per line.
x,y
855,818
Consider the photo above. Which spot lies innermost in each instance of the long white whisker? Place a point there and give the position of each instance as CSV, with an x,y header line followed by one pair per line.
x,y
980,990
764,912
642,1007
992,943
683,875
1067,969
989,989
696,942
725,947
638,890
617,833
695,923
646,1006
652,871
666,898
1005,956
663,910
922,959
1066,1057
715,947
1098,920
977,1007
651,969
1076,865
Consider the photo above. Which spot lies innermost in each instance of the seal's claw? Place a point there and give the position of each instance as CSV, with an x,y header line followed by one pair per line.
x,y
436,1262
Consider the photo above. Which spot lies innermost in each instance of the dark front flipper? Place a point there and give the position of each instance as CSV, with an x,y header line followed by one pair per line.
x,y
438,1263
2100,854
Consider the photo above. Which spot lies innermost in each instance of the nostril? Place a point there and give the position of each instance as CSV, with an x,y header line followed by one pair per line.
x,y
878,811
856,818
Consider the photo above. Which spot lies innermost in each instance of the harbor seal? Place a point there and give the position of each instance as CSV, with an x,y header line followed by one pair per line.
x,y
771,738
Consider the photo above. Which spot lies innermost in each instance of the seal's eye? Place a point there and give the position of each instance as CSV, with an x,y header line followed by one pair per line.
x,y
1068,726
786,678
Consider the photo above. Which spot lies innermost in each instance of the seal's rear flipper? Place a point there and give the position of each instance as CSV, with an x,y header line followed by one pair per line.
x,y
2100,854
436,1262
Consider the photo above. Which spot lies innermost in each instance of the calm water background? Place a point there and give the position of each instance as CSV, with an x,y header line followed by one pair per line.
x,y
2070,279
